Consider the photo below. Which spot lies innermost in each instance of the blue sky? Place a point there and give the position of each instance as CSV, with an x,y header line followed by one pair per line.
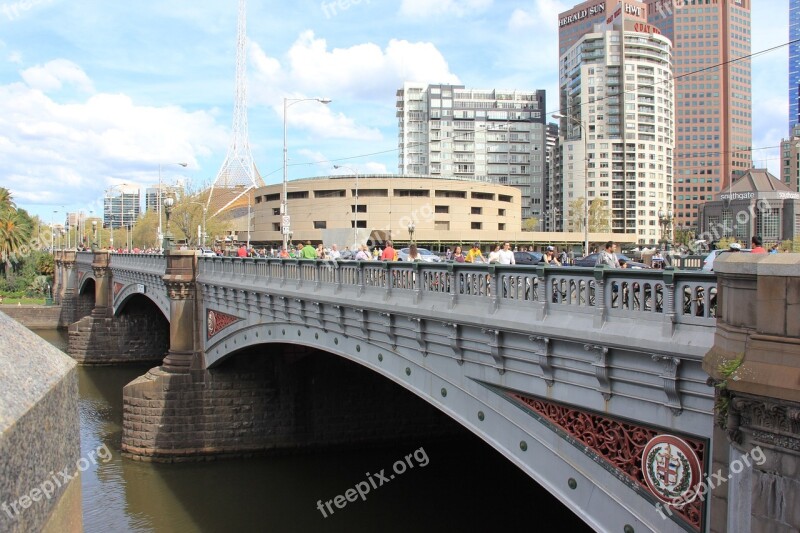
x,y
96,93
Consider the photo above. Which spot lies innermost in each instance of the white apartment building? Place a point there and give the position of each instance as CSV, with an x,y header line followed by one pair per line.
x,y
617,129
487,135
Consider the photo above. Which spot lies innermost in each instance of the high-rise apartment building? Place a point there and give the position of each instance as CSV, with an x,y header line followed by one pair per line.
x,y
121,207
491,135
711,40
794,64
713,97
617,129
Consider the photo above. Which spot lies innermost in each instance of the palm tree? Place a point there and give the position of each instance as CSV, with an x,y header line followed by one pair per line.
x,y
15,233
6,201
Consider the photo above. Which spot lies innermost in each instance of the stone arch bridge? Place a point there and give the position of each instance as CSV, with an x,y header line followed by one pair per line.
x,y
579,376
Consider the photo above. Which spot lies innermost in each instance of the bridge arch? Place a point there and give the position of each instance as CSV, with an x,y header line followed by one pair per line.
x,y
594,493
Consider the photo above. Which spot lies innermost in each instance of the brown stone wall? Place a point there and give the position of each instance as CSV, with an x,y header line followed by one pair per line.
x,y
139,334
269,400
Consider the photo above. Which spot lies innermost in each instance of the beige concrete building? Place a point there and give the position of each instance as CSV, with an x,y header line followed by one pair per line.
x,y
373,208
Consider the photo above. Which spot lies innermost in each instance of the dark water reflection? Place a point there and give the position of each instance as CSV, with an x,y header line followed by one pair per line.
x,y
466,486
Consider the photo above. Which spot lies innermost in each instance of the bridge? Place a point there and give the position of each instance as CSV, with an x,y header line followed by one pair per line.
x,y
584,378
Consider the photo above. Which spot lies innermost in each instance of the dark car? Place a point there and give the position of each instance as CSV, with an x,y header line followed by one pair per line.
x,y
528,258
591,260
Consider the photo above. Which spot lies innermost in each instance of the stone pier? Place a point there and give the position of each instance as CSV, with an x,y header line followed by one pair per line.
x,y
755,363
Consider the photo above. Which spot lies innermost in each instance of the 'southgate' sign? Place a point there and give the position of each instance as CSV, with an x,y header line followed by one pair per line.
x,y
582,14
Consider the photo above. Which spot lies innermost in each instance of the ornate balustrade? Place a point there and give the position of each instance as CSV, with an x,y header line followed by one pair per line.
x,y
670,296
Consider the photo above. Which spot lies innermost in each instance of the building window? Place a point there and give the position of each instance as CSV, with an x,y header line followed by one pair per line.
x,y
450,194
442,209
276,226
411,192
505,198
441,225
501,227
272,197
360,223
483,196
338,193
276,211
320,224
476,210
501,212
362,208
476,225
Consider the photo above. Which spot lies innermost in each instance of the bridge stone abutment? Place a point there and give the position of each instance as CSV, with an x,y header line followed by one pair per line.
x,y
755,362
266,397
269,398
138,333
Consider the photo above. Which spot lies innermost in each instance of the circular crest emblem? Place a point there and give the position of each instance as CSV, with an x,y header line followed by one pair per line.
x,y
671,469
212,323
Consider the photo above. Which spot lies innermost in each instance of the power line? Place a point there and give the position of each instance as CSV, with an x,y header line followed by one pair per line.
x,y
748,56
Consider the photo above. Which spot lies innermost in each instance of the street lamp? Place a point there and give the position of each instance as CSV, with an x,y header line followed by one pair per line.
x,y
160,198
411,229
665,221
285,221
584,134
166,243
355,207
202,238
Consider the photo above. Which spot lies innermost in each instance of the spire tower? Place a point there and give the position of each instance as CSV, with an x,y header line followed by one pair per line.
x,y
238,176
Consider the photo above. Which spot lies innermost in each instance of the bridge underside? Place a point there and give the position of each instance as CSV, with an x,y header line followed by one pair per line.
x,y
590,478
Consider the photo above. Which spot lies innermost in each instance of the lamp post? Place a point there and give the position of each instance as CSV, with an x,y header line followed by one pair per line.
x,y
166,243
285,220
665,221
160,197
94,235
202,239
411,229
584,134
355,207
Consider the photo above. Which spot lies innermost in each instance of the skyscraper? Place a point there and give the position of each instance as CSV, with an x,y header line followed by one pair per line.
x,y
617,128
499,136
794,65
713,97
713,100
121,206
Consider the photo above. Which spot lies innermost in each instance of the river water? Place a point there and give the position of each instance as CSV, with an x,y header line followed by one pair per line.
x,y
459,485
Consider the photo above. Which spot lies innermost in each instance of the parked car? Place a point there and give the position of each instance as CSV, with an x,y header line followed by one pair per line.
x,y
528,258
206,252
426,255
591,260
708,262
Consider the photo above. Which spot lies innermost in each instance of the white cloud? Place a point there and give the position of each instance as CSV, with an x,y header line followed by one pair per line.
x,y
431,8
68,153
53,75
363,72
542,15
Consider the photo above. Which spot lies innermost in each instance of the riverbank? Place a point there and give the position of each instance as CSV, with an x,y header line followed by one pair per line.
x,y
35,316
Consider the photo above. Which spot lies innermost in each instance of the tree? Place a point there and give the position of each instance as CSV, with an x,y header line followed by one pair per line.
x,y
530,224
599,216
6,200
15,234
575,215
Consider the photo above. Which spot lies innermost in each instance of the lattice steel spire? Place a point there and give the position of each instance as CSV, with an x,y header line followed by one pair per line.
x,y
238,174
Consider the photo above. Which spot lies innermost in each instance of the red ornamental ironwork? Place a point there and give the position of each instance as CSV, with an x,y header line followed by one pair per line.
x,y
620,445
217,321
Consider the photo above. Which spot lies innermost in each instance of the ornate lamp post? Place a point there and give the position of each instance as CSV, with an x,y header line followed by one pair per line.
x,y
665,221
166,244
411,229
